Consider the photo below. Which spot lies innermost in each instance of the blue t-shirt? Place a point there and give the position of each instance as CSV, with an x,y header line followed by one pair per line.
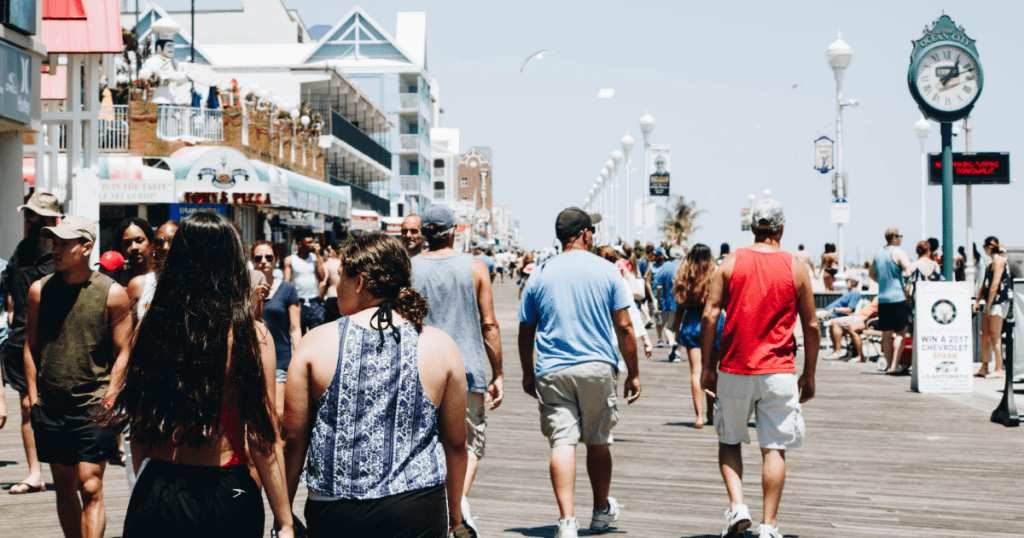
x,y
642,265
570,298
847,300
663,277
275,315
488,261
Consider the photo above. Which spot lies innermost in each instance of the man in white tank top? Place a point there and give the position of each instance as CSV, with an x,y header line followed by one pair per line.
x,y
305,270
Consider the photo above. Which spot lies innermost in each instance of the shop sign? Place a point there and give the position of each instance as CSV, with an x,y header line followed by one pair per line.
x,y
16,85
366,224
132,191
180,211
220,174
943,356
299,218
660,165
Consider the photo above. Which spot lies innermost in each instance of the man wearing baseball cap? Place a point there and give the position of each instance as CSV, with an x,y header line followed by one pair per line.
x,y
76,351
574,306
763,289
458,288
31,261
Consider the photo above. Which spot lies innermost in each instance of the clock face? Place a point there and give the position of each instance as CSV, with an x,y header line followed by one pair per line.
x,y
948,78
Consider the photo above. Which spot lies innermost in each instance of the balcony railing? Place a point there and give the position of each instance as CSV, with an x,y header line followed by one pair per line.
x,y
362,198
409,102
113,128
439,195
410,142
343,130
439,171
409,184
185,122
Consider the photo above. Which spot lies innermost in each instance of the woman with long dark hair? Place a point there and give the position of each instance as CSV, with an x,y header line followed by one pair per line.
x,y
198,389
378,401
692,282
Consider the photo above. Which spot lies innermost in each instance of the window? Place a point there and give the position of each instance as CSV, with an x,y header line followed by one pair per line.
x,y
438,163
465,198
464,182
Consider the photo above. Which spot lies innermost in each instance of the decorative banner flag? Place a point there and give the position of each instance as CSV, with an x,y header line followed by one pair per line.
x,y
660,165
823,154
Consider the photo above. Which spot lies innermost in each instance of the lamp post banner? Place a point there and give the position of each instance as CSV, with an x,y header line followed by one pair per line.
x,y
661,162
823,155
943,343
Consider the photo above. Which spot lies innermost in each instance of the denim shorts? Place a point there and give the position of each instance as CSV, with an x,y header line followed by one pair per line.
x,y
689,329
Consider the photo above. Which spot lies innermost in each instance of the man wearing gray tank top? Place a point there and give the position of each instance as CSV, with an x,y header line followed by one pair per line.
x,y
305,270
458,289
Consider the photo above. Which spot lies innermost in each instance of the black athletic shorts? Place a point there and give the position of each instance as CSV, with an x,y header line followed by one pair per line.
x,y
71,439
331,312
422,513
893,316
13,362
173,500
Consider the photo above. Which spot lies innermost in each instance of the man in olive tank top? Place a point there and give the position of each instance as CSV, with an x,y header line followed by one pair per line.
x,y
76,351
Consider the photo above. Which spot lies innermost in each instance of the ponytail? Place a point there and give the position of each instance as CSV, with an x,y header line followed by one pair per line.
x,y
412,306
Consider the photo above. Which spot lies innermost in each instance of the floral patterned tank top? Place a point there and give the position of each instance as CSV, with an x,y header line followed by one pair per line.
x,y
375,432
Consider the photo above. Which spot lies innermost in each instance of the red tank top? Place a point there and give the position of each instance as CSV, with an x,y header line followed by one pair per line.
x,y
231,423
760,315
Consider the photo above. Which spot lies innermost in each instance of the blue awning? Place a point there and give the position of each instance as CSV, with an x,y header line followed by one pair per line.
x,y
314,195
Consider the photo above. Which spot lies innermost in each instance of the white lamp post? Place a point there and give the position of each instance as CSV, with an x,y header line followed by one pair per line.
x,y
627,148
646,127
613,197
605,202
616,159
294,115
839,56
922,127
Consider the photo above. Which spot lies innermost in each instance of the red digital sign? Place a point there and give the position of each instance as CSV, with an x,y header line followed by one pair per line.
x,y
972,169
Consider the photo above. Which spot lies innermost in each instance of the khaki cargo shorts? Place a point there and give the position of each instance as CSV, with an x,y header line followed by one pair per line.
x,y
476,423
578,403
774,399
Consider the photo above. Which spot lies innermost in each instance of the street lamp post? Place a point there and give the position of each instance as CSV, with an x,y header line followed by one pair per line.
x,y
627,148
612,199
605,196
922,127
617,158
646,127
839,55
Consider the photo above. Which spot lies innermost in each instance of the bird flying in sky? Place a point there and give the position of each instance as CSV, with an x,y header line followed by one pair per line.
x,y
539,55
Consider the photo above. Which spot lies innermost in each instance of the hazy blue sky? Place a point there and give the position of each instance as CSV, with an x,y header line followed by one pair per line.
x,y
718,77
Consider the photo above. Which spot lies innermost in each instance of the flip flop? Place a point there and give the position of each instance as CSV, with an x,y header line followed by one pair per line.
x,y
28,488
979,373
995,375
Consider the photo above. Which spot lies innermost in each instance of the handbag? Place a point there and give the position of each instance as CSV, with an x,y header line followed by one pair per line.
x,y
636,287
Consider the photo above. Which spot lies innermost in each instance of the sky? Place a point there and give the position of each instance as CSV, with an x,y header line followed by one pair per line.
x,y
718,77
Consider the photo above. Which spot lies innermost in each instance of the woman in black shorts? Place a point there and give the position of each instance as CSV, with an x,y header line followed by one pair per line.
x,y
198,389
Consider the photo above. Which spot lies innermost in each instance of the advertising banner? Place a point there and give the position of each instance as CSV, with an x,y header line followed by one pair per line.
x,y
660,166
180,211
943,356
744,219
16,86
823,154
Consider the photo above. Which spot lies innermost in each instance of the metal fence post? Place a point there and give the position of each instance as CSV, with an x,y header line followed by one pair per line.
x,y
1006,413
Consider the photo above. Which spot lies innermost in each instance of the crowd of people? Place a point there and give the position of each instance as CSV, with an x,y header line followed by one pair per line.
x,y
366,369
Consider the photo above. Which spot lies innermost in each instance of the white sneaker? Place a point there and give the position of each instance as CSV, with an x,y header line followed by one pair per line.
x,y
737,521
467,519
661,343
602,520
567,528
765,530
835,355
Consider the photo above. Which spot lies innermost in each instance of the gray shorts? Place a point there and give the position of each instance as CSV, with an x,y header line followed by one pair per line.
x,y
476,423
578,403
775,401
665,319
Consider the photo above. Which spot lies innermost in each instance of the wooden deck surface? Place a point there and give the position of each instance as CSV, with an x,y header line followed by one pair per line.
x,y
878,461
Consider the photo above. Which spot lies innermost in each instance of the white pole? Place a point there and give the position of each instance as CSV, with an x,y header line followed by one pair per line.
x,y
924,187
629,238
841,187
970,273
644,186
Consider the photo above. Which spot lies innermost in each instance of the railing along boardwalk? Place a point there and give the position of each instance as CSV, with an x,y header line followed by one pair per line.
x,y
878,461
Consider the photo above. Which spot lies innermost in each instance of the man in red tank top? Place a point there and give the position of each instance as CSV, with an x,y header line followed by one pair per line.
x,y
762,290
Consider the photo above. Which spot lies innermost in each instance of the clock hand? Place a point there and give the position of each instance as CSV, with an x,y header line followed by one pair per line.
x,y
954,71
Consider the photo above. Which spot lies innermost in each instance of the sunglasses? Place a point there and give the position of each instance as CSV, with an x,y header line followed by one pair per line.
x,y
268,257
160,242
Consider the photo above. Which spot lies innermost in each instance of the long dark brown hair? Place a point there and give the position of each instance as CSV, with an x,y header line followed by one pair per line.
x,y
692,280
387,273
175,384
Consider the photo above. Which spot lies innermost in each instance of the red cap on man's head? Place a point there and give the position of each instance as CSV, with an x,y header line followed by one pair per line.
x,y
112,260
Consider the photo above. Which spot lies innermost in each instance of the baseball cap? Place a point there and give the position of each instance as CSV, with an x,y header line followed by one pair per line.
x,y
112,260
659,251
437,216
573,220
767,214
529,268
72,227
44,204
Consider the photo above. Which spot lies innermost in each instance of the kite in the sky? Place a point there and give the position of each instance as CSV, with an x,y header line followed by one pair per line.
x,y
539,55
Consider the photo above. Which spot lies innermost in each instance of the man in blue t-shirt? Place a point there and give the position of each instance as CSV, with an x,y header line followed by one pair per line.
x,y
661,283
573,307
480,254
841,307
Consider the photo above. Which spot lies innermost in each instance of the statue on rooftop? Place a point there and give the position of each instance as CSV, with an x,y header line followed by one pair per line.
x,y
163,65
